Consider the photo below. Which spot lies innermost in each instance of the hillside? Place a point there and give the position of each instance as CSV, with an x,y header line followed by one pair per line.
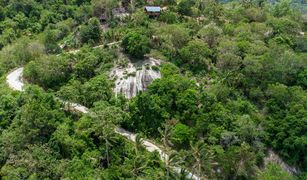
x,y
162,89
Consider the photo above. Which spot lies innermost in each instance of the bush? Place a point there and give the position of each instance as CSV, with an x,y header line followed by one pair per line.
x,y
181,134
48,72
185,7
195,55
90,32
168,17
98,88
136,45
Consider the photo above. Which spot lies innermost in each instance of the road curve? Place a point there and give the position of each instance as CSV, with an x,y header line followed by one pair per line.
x,y
14,79
15,82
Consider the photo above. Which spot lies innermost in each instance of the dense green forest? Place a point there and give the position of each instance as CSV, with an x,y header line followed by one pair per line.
x,y
232,89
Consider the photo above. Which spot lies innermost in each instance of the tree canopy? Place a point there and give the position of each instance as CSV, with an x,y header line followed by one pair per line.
x,y
224,85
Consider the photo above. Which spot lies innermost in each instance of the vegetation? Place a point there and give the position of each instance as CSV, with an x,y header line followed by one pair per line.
x,y
136,44
233,86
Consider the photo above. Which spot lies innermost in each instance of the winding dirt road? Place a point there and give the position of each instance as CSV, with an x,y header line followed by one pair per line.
x,y
15,82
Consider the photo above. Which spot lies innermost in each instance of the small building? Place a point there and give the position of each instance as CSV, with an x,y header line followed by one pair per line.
x,y
153,11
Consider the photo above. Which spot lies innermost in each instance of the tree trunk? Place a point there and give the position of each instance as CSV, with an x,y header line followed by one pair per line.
x,y
167,174
199,170
107,151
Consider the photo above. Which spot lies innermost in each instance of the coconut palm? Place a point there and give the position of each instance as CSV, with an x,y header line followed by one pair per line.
x,y
108,136
166,134
140,163
104,122
172,163
197,150
138,145
202,160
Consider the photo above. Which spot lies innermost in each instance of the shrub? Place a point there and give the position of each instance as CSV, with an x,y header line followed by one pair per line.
x,y
136,45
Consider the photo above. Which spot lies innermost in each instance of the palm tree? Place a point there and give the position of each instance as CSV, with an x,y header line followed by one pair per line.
x,y
138,145
172,163
183,174
202,159
140,163
166,134
197,157
108,137
103,125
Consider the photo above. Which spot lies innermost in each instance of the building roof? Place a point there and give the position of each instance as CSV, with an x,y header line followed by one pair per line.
x,y
152,8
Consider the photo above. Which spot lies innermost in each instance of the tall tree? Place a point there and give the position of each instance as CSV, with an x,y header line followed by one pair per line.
x,y
166,133
197,155
211,34
105,118
138,145
90,32
104,7
136,45
172,162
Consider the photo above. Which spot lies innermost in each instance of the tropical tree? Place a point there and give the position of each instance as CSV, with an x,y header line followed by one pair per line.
x,y
196,152
196,55
214,10
202,160
104,7
172,164
138,144
211,34
97,89
50,41
274,172
173,37
166,133
105,118
181,135
108,136
140,163
136,45
90,32
185,7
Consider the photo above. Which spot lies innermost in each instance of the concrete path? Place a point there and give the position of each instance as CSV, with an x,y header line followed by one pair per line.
x,y
15,82
14,79
95,47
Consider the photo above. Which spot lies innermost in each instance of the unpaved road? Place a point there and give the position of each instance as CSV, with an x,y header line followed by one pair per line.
x,y
15,82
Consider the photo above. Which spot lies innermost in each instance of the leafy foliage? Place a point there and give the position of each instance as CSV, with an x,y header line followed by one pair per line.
x,y
136,45
233,85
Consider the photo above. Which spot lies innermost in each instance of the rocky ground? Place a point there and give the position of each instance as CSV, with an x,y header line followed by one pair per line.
x,y
135,77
